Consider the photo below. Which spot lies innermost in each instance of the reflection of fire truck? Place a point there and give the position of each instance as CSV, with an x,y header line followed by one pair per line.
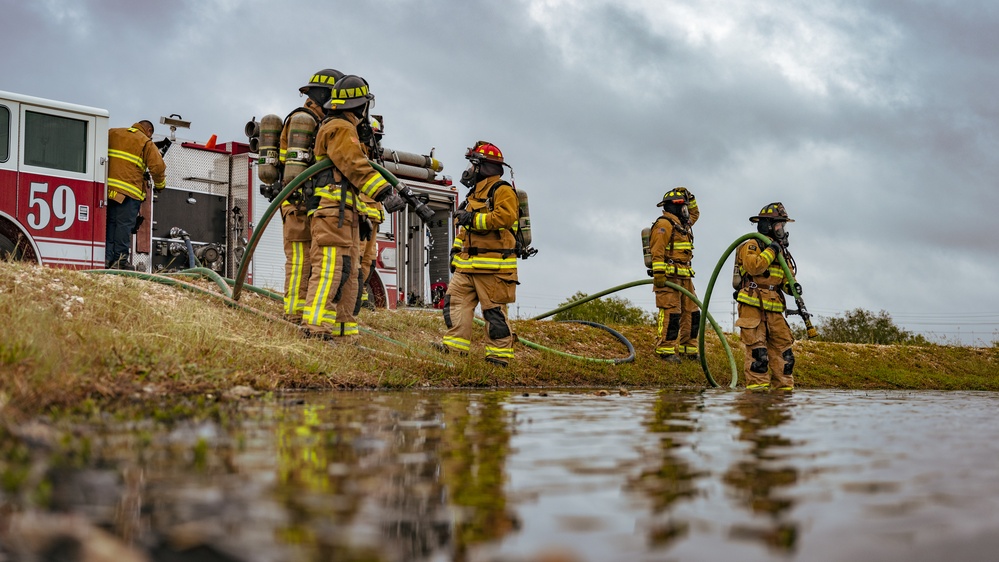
x,y
53,169
411,266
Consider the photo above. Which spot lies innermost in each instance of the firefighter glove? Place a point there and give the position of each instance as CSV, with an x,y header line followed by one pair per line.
x,y
364,226
393,203
775,246
454,252
659,280
464,218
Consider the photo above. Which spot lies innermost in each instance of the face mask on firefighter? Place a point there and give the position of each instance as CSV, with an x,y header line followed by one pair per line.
x,y
470,175
685,213
780,235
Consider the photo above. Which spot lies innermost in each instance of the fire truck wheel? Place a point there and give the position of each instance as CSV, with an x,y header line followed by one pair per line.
x,y
7,249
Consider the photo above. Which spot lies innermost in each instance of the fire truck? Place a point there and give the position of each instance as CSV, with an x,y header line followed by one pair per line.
x,y
53,172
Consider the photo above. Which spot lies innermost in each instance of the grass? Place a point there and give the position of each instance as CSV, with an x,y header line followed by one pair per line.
x,y
67,337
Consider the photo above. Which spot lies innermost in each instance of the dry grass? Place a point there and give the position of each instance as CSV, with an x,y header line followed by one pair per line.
x,y
69,336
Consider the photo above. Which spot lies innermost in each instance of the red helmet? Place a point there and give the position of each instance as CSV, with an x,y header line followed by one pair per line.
x,y
485,151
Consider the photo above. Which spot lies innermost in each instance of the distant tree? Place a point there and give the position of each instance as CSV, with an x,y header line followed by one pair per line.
x,y
864,326
612,310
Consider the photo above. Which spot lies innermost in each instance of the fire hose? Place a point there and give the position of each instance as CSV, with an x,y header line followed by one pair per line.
x,y
795,292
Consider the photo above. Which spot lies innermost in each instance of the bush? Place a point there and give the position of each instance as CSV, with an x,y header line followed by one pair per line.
x,y
864,326
612,310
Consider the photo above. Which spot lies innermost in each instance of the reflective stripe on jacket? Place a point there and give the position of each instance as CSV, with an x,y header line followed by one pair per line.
x,y
488,245
130,154
672,247
763,282
337,140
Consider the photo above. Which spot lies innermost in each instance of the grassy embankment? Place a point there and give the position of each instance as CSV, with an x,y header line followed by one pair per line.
x,y
67,336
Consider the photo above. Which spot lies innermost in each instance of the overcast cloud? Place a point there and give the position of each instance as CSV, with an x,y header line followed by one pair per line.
x,y
874,122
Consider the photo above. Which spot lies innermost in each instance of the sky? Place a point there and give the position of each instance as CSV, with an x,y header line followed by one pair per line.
x,y
874,121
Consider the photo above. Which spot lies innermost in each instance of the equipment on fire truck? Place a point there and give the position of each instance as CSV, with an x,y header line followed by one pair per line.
x,y
174,121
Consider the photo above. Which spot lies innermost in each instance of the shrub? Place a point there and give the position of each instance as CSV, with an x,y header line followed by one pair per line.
x,y
612,310
863,326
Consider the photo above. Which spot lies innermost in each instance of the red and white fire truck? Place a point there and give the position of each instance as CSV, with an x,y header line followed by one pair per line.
x,y
53,170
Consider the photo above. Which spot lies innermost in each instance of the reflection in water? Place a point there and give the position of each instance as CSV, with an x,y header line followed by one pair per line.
x,y
672,479
759,479
501,477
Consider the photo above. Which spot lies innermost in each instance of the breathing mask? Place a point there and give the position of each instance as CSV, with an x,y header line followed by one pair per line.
x,y
470,176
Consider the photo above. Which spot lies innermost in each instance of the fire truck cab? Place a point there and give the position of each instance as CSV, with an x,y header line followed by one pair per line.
x,y
53,166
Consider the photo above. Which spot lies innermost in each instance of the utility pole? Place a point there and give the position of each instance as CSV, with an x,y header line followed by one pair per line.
x,y
733,317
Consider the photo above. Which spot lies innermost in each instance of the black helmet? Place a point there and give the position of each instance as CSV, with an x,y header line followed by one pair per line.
x,y
675,196
773,212
322,79
349,92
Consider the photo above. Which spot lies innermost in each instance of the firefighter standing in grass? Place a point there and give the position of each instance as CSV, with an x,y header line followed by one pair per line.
x,y
131,152
295,221
672,245
336,219
484,258
762,327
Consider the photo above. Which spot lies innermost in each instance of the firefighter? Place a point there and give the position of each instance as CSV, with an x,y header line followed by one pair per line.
x,y
672,245
484,258
131,153
336,211
762,327
296,224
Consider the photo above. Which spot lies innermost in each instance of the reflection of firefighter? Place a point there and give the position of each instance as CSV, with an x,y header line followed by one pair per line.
x,y
763,329
130,153
329,307
758,480
484,258
296,226
671,244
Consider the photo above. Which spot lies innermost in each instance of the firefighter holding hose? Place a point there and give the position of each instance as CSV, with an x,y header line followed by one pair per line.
x,y
671,243
338,209
295,220
762,327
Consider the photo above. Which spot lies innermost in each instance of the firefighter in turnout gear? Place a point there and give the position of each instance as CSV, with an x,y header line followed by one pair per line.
x,y
762,327
672,246
295,221
484,258
130,153
336,218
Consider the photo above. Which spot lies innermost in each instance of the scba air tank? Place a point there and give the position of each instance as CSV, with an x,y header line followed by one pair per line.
x,y
301,132
646,247
524,225
270,136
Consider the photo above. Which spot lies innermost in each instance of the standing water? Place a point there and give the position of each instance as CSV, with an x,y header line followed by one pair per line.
x,y
526,475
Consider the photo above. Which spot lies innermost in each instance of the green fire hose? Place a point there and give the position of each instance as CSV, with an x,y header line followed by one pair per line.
x,y
294,184
795,292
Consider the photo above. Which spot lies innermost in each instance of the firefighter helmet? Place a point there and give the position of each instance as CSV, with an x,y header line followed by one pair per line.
x,y
322,79
773,212
349,92
675,196
486,151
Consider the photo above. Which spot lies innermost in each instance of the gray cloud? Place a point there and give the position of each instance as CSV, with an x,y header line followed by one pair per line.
x,y
874,122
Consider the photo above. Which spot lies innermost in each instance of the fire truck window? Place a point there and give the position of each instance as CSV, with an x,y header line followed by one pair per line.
x,y
4,134
51,141
387,226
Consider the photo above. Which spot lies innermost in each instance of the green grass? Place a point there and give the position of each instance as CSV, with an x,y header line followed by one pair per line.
x,y
68,337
